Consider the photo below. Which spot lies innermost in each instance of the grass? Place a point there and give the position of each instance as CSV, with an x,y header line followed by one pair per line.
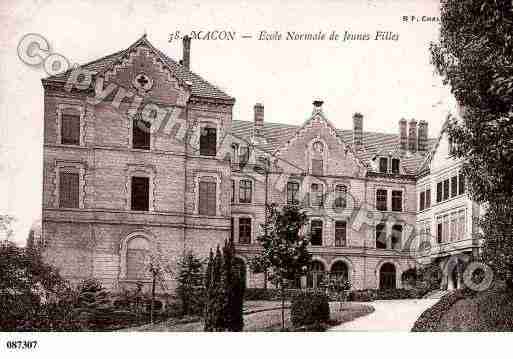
x,y
265,316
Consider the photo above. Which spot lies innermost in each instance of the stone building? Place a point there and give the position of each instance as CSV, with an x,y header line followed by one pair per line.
x,y
143,161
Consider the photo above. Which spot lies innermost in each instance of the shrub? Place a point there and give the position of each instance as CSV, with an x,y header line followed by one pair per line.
x,y
309,308
430,319
363,295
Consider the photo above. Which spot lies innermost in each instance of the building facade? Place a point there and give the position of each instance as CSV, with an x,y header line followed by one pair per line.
x,y
143,161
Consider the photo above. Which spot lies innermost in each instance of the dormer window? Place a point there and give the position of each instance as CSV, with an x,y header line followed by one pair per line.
x,y
383,165
395,166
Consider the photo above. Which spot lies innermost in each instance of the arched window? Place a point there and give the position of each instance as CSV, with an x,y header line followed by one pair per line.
x,y
315,275
136,259
387,276
339,272
317,158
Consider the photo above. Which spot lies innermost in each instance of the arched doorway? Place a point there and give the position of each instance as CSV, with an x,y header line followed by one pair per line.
x,y
315,275
339,272
387,276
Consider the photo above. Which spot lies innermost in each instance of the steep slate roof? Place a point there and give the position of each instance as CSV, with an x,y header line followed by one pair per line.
x,y
278,134
200,87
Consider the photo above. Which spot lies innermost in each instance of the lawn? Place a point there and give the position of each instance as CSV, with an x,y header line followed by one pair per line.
x,y
263,316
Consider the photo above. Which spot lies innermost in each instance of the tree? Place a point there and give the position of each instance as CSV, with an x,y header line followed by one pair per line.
x,y
32,293
224,291
190,284
475,57
284,247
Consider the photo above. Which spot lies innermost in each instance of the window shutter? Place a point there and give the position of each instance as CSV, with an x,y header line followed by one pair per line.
x,y
317,167
70,129
69,190
211,198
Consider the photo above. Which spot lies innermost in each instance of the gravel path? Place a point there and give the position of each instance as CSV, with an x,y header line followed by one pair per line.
x,y
389,315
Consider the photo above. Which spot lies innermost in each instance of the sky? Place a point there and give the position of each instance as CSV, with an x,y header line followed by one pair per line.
x,y
383,80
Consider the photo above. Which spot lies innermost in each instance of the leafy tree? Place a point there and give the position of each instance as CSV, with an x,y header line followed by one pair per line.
x,y
93,304
284,248
475,57
33,296
190,284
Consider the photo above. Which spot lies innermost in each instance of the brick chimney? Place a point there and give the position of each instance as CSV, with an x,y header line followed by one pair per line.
x,y
422,139
186,57
357,130
403,134
259,119
412,135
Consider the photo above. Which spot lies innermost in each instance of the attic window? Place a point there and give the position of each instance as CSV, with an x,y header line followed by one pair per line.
x,y
383,165
395,166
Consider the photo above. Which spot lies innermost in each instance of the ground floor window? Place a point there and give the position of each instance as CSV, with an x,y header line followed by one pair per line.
x,y
315,276
387,276
339,272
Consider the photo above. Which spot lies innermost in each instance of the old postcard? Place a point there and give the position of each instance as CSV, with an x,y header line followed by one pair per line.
x,y
223,166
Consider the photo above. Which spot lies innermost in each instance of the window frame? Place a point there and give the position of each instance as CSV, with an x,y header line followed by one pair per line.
x,y
395,208
293,194
245,191
338,225
133,195
383,165
317,227
380,201
209,151
70,109
72,167
217,179
248,229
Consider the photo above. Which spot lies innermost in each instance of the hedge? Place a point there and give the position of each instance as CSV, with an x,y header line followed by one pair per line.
x,y
430,319
309,308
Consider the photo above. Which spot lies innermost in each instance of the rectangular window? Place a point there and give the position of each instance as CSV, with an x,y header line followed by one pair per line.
x,y
439,230
439,192
422,201
461,225
244,155
245,230
340,234
231,229
397,235
340,196
292,192
446,189
445,237
317,167
381,236
462,184
395,166
141,134
454,227
383,165
316,195
428,198
140,194
208,141
397,201
207,198
70,129
245,191
233,191
454,186
68,191
316,233
381,199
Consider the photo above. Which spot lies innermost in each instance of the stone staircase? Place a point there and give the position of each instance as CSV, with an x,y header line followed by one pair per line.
x,y
436,294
